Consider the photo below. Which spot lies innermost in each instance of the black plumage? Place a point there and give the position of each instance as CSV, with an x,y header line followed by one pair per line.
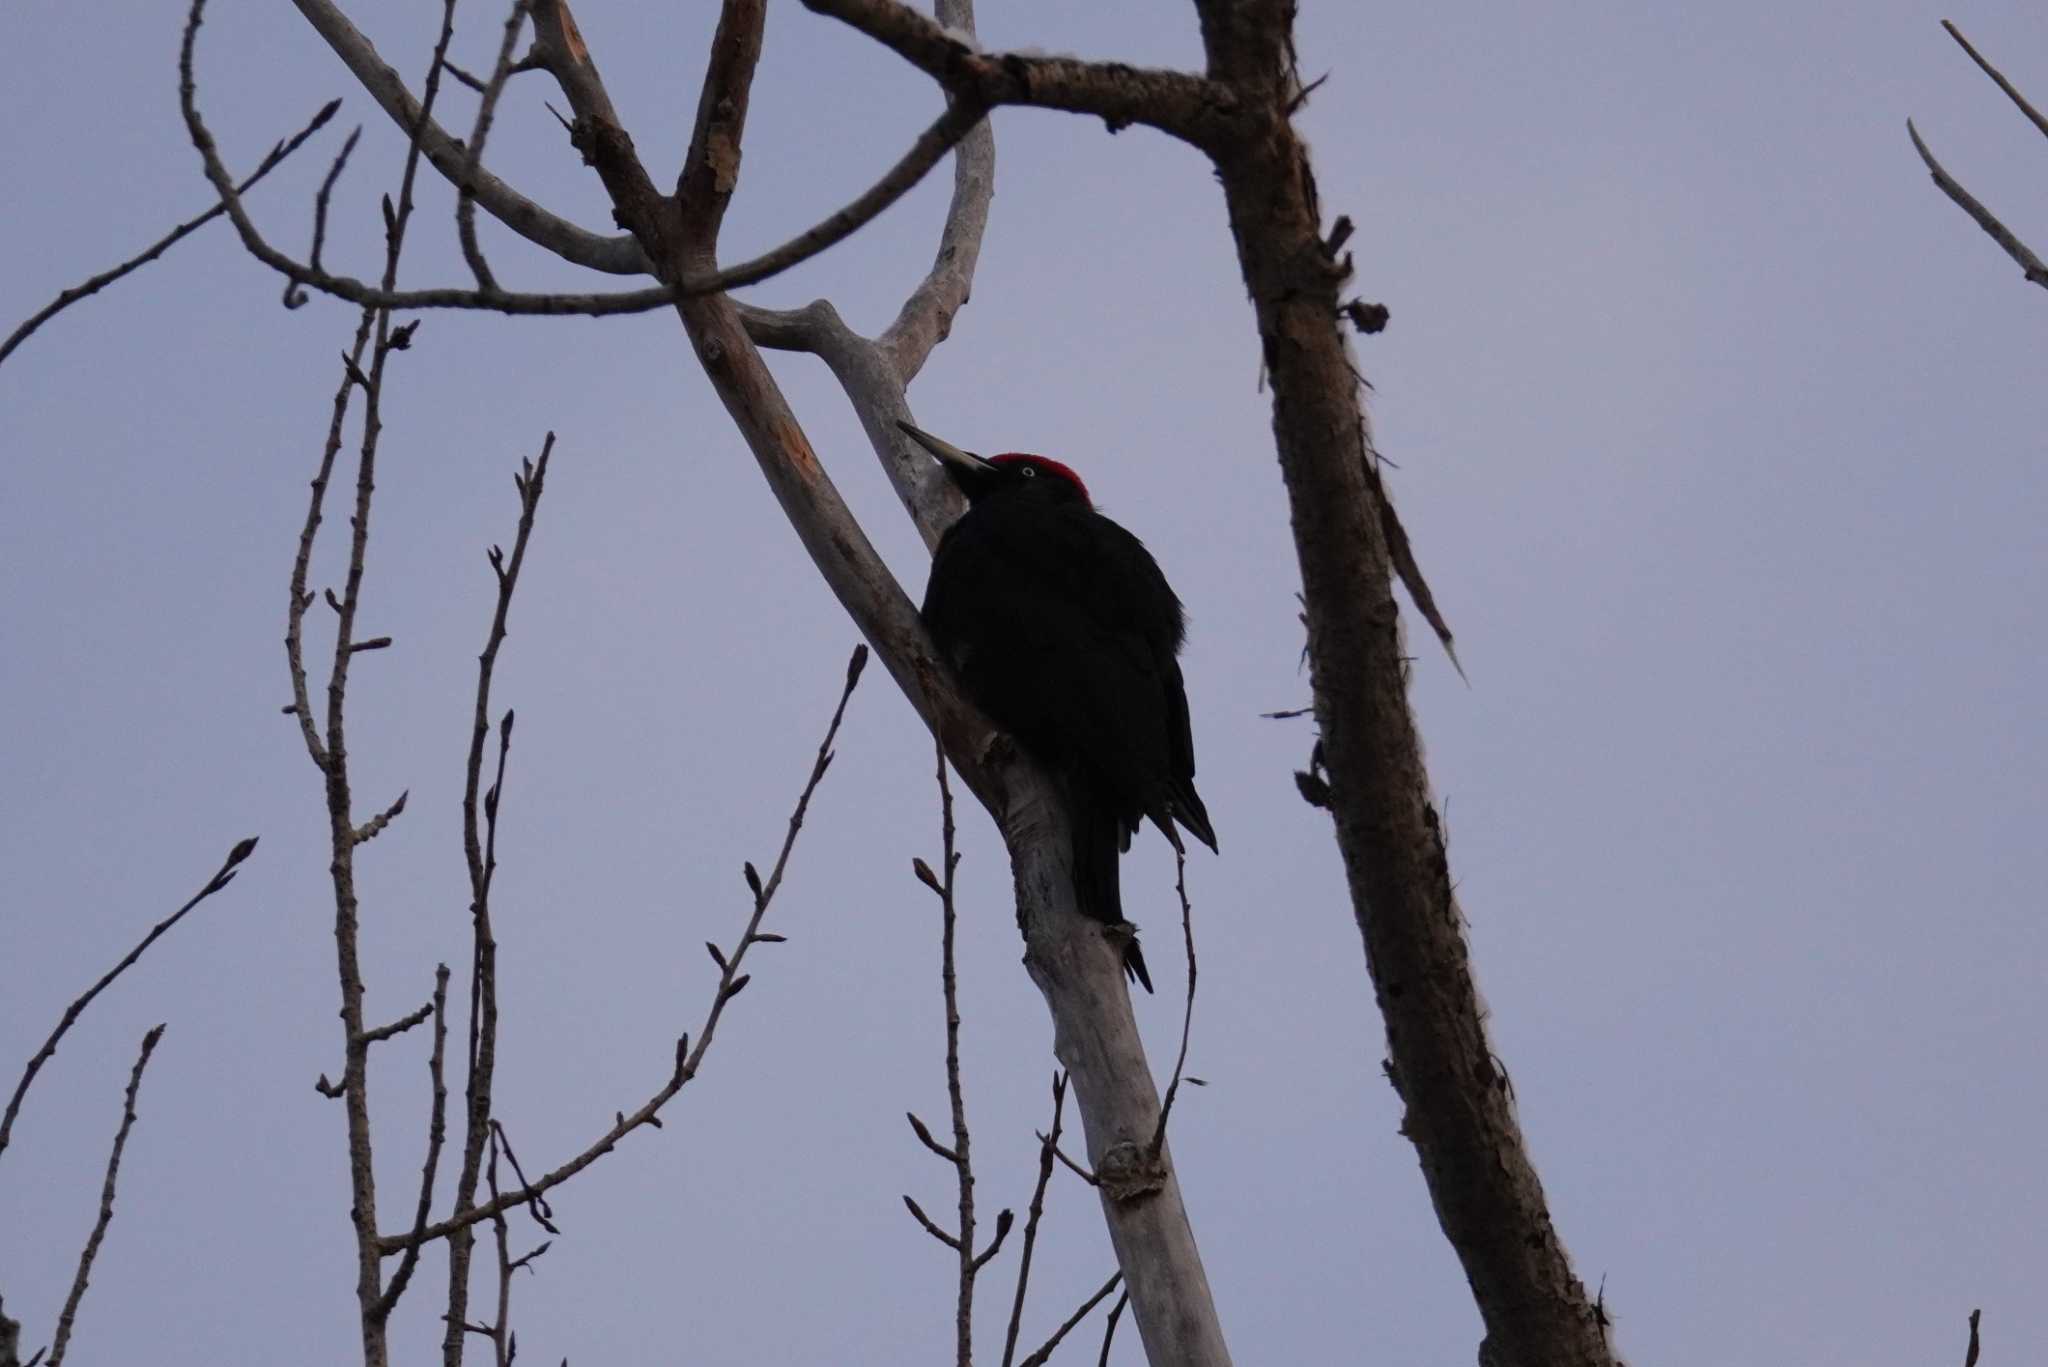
x,y
1063,629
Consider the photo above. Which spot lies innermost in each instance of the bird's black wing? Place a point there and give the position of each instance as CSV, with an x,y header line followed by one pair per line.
x,y
1062,625
1147,607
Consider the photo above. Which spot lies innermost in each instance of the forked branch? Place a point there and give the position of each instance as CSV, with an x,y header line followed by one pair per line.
x,y
2008,241
688,1059
87,288
560,57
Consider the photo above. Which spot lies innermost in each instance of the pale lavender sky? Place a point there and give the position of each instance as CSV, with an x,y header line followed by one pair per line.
x,y
1720,434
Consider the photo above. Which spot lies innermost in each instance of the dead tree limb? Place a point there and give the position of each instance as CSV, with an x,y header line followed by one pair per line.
x,y
2008,241
1458,1115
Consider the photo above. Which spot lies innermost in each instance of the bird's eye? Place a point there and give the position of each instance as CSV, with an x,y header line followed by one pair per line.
x,y
1028,472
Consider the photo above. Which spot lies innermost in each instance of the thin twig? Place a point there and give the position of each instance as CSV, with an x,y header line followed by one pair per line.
x,y
1047,1143
222,876
687,1059
2034,116
374,827
1116,1313
960,1155
480,854
931,1228
399,1026
1970,1355
505,1343
1187,1019
68,1318
543,1214
1950,186
437,1134
2022,254
487,108
1071,1166
301,598
322,199
1045,1350
958,120
963,1161
169,240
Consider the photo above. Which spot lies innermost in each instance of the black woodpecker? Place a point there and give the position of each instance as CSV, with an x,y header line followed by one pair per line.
x,y
1062,628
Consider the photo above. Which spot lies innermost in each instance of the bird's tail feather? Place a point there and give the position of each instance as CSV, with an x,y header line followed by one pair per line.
x,y
1099,842
1189,810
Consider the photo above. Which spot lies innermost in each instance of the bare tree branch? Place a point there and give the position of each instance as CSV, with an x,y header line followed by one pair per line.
x,y
1048,1145
364,367
399,1026
950,127
1458,1115
386,296
927,315
931,1228
480,856
1187,1018
437,1134
1192,108
612,254
731,982
875,373
2021,254
294,297
222,876
68,1317
963,1155
1116,1313
505,1343
1045,1350
473,154
870,380
2034,116
93,286
1996,230
931,147
960,1155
